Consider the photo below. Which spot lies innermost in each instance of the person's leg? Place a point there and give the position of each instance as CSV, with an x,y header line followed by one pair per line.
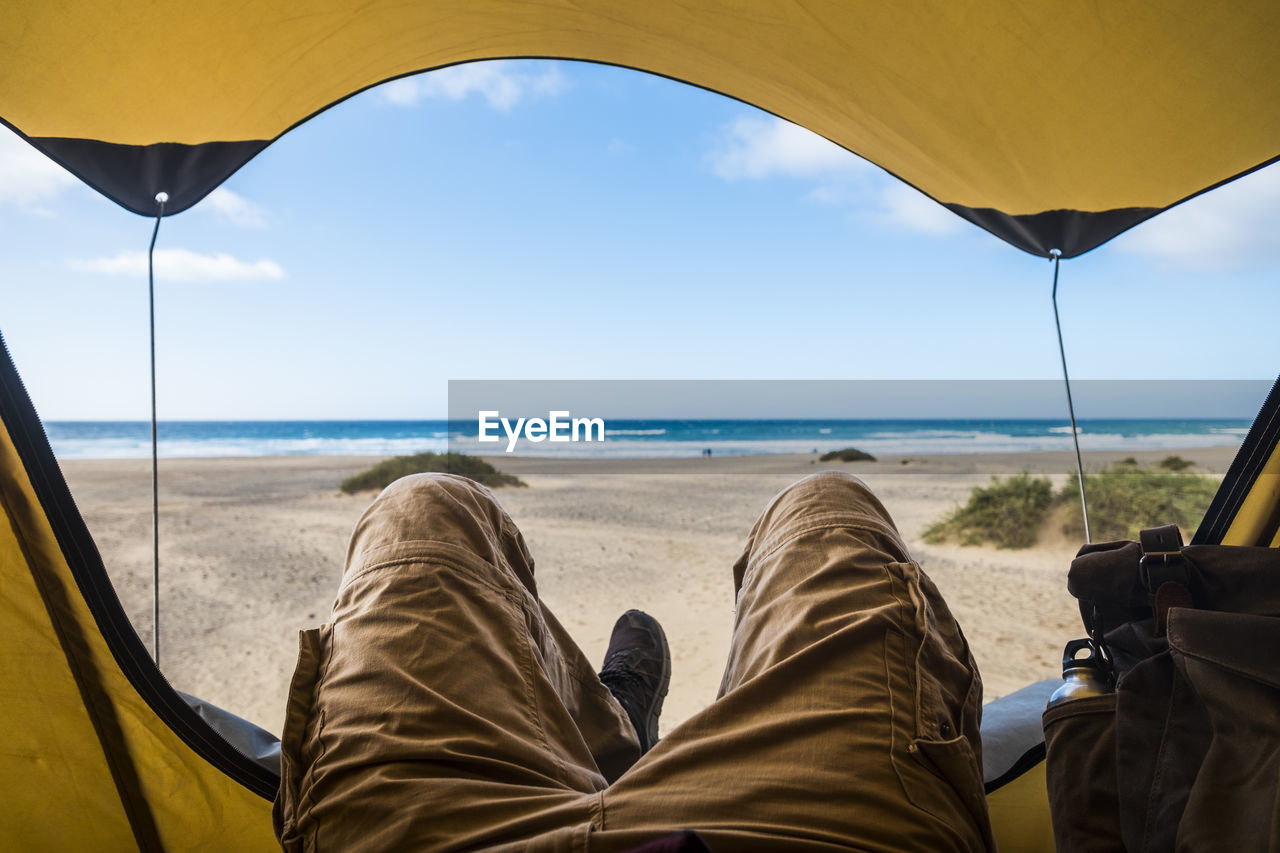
x,y
848,714
443,707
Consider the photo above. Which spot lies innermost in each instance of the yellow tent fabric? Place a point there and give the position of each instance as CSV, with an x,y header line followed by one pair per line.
x,y
1020,814
1246,509
86,763
1257,521
1053,125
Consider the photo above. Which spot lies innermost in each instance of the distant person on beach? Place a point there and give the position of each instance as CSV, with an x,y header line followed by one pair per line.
x,y
446,708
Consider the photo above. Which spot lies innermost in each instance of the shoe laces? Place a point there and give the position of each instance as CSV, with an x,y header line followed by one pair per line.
x,y
619,672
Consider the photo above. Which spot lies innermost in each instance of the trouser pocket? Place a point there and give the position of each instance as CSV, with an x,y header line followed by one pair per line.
x,y
300,729
942,707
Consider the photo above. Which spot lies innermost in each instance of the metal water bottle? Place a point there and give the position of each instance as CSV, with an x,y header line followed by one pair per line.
x,y
1082,676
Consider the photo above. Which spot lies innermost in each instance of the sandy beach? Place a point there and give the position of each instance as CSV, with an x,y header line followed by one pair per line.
x,y
252,551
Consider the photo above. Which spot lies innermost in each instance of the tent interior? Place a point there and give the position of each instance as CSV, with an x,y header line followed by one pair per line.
x,y
1048,126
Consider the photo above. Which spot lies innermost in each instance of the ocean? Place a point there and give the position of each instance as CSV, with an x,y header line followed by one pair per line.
x,y
632,438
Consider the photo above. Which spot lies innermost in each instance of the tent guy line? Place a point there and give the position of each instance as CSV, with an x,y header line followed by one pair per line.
x,y
161,198
1055,256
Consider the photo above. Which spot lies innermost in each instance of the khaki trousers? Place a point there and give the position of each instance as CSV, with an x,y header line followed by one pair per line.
x,y
445,708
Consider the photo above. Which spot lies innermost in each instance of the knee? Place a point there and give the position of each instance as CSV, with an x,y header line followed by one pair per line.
x,y
828,494
424,505
442,509
831,485
431,488
832,479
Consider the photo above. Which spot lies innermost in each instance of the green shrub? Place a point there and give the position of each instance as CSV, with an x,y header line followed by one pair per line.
x,y
849,454
389,470
1008,513
1175,463
1128,460
1122,501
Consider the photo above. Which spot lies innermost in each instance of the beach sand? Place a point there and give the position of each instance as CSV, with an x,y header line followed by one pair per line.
x,y
252,549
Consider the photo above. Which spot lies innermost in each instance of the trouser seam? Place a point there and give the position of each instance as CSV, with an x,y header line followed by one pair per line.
x,y
589,682
439,559
906,616
900,588
829,521
527,668
322,747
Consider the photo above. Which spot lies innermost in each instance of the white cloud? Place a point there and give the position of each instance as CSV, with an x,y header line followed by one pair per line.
x,y
755,147
183,265
907,207
27,177
503,83
234,208
1233,227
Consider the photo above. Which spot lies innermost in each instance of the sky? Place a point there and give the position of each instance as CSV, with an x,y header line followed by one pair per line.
x,y
553,220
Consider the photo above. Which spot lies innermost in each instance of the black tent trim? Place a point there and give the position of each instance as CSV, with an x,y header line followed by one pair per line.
x,y
1255,451
32,445
1072,232
1025,762
132,175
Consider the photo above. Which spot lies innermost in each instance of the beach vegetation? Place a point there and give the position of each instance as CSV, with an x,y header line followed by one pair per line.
x,y
1123,501
1007,513
388,471
1175,463
848,454
1128,460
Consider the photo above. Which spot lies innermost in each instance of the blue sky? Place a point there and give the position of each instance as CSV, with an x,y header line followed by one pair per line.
x,y
537,220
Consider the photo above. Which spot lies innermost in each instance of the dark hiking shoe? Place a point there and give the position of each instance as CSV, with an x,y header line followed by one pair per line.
x,y
637,670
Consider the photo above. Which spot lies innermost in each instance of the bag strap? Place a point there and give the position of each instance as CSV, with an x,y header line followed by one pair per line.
x,y
1164,570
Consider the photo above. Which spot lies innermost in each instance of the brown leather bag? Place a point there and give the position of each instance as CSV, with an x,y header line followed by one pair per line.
x,y
1185,754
